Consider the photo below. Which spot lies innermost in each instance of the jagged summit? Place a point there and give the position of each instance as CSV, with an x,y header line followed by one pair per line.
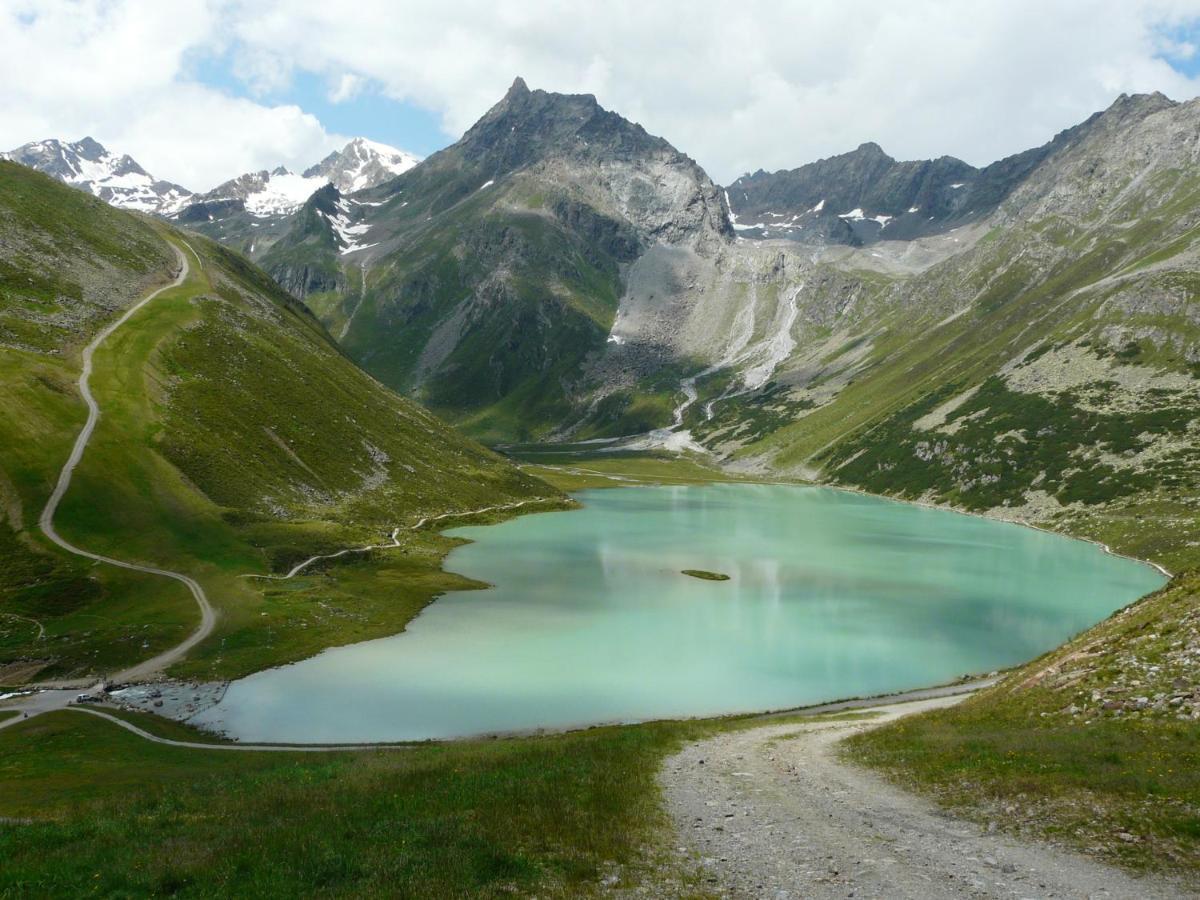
x,y
528,125
851,198
865,195
360,165
88,165
1152,102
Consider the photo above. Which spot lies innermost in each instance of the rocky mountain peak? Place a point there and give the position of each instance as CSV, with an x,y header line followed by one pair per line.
x,y
88,165
88,148
1141,103
362,164
870,150
531,126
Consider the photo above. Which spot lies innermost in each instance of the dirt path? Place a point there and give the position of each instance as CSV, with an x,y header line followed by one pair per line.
x,y
771,812
395,537
46,521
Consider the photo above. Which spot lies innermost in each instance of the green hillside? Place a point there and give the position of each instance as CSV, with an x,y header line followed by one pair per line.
x,y
235,438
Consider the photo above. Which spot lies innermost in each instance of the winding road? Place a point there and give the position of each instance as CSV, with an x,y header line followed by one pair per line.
x,y
208,613
208,616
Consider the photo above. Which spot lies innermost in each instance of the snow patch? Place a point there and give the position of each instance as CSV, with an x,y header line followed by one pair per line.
x,y
282,194
347,232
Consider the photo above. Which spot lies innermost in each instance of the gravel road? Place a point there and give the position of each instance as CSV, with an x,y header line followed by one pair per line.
x,y
771,812
208,615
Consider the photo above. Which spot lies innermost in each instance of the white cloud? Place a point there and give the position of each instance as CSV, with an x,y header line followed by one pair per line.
x,y
346,87
762,84
118,71
738,85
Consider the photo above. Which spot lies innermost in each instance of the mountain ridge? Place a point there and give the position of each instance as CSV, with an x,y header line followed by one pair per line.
x,y
121,181
87,165
490,271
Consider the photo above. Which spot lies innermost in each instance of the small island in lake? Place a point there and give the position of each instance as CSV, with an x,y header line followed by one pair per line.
x,y
707,576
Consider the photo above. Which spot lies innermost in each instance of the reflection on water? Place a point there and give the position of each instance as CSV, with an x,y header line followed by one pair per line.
x,y
832,594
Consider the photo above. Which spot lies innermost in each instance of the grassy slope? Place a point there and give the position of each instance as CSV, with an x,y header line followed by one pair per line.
x,y
234,438
101,262
516,296
117,815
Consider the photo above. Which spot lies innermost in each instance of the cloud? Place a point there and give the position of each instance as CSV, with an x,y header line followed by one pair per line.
x,y
118,71
755,84
346,87
737,85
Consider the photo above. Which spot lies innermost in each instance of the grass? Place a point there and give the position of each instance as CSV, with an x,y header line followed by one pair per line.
x,y
113,814
234,439
705,575
118,815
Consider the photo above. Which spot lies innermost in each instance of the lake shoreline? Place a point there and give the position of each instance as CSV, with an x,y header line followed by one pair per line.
x,y
329,679
735,476
178,690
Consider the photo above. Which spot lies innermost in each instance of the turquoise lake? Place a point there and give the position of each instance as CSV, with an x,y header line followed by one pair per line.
x,y
832,594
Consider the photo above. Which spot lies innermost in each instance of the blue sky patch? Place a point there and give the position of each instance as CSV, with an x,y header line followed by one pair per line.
x,y
368,113
1181,36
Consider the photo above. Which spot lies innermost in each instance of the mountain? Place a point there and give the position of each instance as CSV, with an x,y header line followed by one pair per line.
x,y
483,278
560,274
362,164
118,180
865,195
235,438
264,193
251,212
1039,364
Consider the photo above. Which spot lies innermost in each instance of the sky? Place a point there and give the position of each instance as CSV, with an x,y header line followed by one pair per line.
x,y
199,91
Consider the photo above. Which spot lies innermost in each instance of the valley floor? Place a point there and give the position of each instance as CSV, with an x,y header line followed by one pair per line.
x,y
773,810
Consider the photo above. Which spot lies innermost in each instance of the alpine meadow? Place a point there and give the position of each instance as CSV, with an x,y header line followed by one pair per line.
x,y
416,481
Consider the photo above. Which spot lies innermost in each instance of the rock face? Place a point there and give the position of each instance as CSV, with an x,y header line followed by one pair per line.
x,y
483,278
304,260
624,171
362,164
854,198
87,165
866,196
